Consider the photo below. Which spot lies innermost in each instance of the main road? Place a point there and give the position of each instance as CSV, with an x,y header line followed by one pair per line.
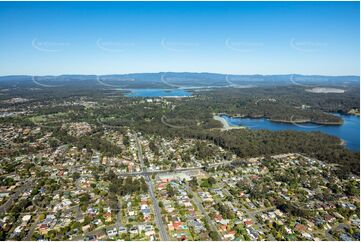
x,y
158,216
145,172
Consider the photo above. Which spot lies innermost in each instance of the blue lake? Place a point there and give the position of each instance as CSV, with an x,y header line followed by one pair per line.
x,y
158,93
349,131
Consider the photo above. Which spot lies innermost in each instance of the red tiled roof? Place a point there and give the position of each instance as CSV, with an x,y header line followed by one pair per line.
x,y
248,222
300,227
177,224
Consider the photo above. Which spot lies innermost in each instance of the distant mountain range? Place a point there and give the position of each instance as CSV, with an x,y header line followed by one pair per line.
x,y
175,80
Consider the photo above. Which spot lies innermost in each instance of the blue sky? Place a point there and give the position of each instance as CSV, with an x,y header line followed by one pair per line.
x,y
225,37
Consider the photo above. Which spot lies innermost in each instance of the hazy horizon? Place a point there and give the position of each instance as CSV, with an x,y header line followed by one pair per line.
x,y
180,72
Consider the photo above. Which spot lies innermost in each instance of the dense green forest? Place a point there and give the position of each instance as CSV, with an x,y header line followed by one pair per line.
x,y
192,117
252,143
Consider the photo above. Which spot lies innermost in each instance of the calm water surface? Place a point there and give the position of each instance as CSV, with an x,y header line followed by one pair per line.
x,y
349,131
158,93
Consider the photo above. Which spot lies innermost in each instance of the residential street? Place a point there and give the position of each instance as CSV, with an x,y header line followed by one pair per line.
x,y
32,228
200,207
28,183
251,214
